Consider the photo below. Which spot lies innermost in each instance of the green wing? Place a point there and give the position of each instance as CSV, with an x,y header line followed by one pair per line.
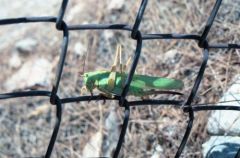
x,y
150,82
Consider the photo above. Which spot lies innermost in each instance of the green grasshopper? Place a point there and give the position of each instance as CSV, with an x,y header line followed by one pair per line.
x,y
111,82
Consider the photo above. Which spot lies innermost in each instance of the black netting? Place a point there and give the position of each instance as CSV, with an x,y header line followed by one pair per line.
x,y
139,37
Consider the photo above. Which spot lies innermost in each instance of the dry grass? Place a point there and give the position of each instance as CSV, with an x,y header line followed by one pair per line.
x,y
148,126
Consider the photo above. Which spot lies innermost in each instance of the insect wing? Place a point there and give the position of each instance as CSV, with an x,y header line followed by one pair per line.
x,y
149,82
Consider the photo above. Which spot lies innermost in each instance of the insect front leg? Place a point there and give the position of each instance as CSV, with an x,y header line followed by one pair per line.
x,y
145,97
107,95
83,90
90,97
104,96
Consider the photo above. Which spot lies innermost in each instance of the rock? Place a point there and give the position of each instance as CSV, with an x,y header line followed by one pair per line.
x,y
33,72
101,143
40,110
221,146
113,132
224,123
172,56
75,10
15,61
158,152
221,122
108,34
115,5
26,46
80,49
93,147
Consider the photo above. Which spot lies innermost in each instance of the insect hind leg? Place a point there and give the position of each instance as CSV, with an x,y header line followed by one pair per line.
x,y
112,76
125,66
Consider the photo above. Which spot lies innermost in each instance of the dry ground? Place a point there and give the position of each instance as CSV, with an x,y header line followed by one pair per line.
x,y
22,134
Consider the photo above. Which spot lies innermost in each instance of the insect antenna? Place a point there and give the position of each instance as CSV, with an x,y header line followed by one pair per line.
x,y
83,66
85,57
84,63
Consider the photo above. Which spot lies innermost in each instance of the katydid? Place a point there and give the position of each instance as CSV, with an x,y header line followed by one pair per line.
x,y
112,82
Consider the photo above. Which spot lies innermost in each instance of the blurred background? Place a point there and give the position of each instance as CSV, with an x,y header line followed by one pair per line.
x,y
29,57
